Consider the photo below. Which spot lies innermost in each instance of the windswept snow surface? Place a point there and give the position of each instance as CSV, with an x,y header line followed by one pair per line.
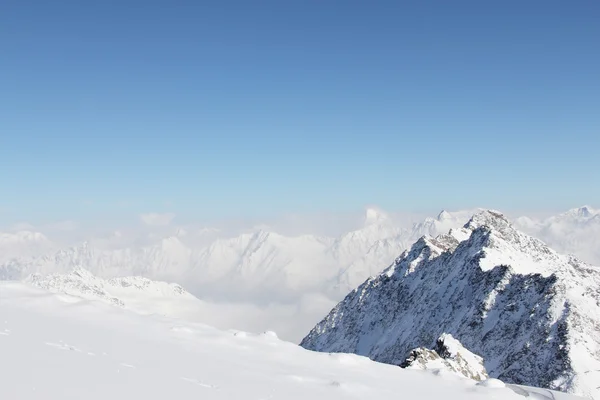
x,y
56,349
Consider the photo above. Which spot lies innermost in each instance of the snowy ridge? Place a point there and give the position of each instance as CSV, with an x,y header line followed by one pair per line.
x,y
135,293
53,350
531,313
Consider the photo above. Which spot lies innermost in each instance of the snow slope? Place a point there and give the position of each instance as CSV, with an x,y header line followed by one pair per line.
x,y
135,293
531,313
145,296
52,349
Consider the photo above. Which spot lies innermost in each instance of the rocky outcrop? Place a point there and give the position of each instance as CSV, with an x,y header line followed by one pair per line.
x,y
448,355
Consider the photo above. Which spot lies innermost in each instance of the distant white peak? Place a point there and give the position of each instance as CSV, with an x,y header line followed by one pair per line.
x,y
581,212
374,216
444,215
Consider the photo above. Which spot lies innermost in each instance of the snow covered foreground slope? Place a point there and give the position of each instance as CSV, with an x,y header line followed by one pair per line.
x,y
52,349
532,314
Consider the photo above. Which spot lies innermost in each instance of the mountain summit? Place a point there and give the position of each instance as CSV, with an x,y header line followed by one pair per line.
x,y
531,313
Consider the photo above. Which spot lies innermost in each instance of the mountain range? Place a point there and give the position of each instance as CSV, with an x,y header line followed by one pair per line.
x,y
290,280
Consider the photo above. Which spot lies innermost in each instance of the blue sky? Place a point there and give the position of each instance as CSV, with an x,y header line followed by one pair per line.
x,y
235,108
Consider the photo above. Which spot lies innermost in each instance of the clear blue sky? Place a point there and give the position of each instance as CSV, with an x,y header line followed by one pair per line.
x,y
245,108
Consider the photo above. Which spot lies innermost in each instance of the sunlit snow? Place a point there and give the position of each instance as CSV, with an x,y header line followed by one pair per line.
x,y
56,349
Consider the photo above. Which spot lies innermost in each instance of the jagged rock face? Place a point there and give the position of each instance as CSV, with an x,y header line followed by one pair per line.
x,y
448,355
532,314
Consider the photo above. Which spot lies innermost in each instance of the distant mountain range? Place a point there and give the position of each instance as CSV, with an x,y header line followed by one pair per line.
x,y
252,262
576,231
265,268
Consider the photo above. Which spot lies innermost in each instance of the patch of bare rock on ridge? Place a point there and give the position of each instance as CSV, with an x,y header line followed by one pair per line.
x,y
530,312
448,355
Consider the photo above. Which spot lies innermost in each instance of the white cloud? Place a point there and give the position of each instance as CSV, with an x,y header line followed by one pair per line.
x,y
157,219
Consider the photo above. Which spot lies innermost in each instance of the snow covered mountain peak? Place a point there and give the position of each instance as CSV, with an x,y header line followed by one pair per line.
x,y
531,313
490,218
581,213
444,215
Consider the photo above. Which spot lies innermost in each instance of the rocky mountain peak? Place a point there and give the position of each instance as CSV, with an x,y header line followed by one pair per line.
x,y
531,313
581,212
490,218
